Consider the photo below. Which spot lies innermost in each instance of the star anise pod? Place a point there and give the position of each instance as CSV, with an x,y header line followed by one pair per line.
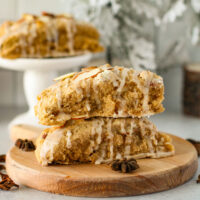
x,y
124,166
2,158
2,167
196,145
25,145
6,182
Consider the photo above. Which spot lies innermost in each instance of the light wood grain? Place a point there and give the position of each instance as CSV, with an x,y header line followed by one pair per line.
x,y
99,180
24,132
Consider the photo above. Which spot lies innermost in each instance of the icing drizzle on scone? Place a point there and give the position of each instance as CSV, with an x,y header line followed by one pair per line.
x,y
116,91
103,133
91,77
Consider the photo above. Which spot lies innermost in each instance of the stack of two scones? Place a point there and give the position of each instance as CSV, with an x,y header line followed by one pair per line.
x,y
99,115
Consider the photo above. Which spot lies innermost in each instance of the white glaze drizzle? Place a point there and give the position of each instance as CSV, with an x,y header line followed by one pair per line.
x,y
101,158
68,141
115,82
59,96
128,140
133,125
118,156
150,155
62,116
120,80
99,132
127,151
93,131
118,76
96,95
110,136
98,128
71,29
33,30
22,40
144,88
123,130
27,28
145,104
87,90
87,87
7,29
48,31
143,132
55,34
124,74
136,80
87,106
49,144
23,29
79,91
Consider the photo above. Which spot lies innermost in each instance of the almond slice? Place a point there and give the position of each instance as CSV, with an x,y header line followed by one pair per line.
x,y
89,68
29,16
86,74
78,74
48,14
20,21
64,76
106,67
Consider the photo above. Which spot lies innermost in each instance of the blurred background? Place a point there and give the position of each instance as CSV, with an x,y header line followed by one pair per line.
x,y
162,36
158,35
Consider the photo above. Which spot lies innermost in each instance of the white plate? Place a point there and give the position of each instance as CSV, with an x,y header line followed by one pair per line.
x,y
39,74
45,64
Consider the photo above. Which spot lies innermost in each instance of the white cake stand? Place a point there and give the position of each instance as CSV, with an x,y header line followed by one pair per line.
x,y
38,75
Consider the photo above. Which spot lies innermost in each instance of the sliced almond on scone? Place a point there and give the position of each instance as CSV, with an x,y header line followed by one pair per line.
x,y
48,14
64,76
89,68
86,74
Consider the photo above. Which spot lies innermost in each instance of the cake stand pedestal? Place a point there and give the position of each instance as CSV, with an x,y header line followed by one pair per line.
x,y
38,75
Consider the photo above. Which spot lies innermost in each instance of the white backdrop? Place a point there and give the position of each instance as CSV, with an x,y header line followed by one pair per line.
x,y
11,91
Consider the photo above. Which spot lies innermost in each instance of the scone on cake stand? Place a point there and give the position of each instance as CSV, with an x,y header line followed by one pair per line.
x,y
40,46
38,75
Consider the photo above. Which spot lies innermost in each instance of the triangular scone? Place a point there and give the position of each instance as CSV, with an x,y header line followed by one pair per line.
x,y
47,35
101,140
103,91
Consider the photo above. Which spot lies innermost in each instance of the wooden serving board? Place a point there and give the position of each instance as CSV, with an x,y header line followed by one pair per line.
x,y
99,180
24,132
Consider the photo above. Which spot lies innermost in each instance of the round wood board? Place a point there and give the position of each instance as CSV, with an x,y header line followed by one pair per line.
x,y
99,180
24,132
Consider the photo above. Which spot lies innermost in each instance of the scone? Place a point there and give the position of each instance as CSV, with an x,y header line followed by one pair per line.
x,y
47,35
102,140
103,91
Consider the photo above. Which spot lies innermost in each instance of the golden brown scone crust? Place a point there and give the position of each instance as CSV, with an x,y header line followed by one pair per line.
x,y
47,35
101,140
103,91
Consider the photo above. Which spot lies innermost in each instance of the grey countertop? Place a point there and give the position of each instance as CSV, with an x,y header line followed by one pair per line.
x,y
170,122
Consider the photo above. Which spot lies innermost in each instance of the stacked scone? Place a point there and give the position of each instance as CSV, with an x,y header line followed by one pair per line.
x,y
99,115
47,35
